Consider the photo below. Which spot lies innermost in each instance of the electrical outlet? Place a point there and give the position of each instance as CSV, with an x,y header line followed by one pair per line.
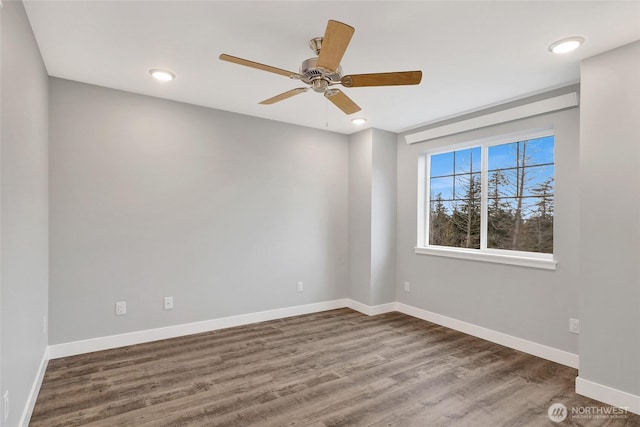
x,y
121,308
168,303
5,405
300,286
574,326
407,287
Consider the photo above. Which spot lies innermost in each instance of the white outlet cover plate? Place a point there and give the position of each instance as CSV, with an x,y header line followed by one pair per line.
x,y
121,308
574,326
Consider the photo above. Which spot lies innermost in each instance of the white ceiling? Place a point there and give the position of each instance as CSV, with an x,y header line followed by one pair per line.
x,y
472,54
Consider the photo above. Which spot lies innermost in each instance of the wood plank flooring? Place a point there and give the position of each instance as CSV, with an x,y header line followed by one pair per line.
x,y
329,369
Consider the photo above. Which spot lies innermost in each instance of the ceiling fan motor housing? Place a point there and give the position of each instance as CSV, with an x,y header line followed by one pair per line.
x,y
318,77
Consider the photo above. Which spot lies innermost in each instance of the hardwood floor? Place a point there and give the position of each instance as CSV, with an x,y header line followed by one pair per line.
x,y
335,368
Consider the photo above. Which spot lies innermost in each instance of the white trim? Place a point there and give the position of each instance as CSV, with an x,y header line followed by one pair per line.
x,y
114,341
423,199
523,261
139,337
484,196
528,110
35,389
485,107
483,253
584,387
530,347
608,395
371,310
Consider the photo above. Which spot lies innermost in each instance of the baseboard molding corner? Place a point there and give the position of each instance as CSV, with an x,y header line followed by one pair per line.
x,y
138,337
35,389
520,344
370,310
608,395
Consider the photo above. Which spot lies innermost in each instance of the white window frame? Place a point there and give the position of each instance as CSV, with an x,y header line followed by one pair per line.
x,y
502,256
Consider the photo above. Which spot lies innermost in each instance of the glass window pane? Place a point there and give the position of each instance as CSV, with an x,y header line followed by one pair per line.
x,y
502,156
468,160
540,151
497,185
523,226
440,225
523,153
520,205
505,183
500,224
441,164
442,187
539,180
467,186
454,224
466,226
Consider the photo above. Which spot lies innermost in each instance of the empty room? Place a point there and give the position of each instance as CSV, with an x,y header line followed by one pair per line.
x,y
319,213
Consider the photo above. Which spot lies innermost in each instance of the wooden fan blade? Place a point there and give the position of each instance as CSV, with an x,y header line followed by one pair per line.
x,y
336,39
382,79
258,65
285,95
342,101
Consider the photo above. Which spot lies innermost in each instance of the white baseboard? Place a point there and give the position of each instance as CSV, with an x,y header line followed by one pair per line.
x,y
608,395
370,310
114,341
139,337
35,389
539,350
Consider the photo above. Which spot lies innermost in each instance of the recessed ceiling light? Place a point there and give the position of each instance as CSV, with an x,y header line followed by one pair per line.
x,y
358,121
566,45
162,75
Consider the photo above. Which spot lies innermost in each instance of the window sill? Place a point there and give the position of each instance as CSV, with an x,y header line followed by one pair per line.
x,y
531,262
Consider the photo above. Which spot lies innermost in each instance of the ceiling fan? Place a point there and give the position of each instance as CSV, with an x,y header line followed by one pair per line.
x,y
324,71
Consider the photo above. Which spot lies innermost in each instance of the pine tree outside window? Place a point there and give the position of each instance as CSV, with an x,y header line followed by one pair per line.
x,y
495,197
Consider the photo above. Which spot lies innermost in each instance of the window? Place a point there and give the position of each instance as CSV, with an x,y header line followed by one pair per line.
x,y
493,197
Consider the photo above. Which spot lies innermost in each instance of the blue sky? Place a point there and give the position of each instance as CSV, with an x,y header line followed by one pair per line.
x,y
504,156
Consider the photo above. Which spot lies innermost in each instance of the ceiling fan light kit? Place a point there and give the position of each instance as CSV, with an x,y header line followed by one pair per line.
x,y
324,71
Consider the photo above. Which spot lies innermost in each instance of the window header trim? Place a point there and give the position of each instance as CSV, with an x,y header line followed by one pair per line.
x,y
548,105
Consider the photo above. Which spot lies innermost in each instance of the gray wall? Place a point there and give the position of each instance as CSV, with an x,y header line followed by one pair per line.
x,y
609,214
360,158
527,303
24,207
153,198
383,217
372,216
